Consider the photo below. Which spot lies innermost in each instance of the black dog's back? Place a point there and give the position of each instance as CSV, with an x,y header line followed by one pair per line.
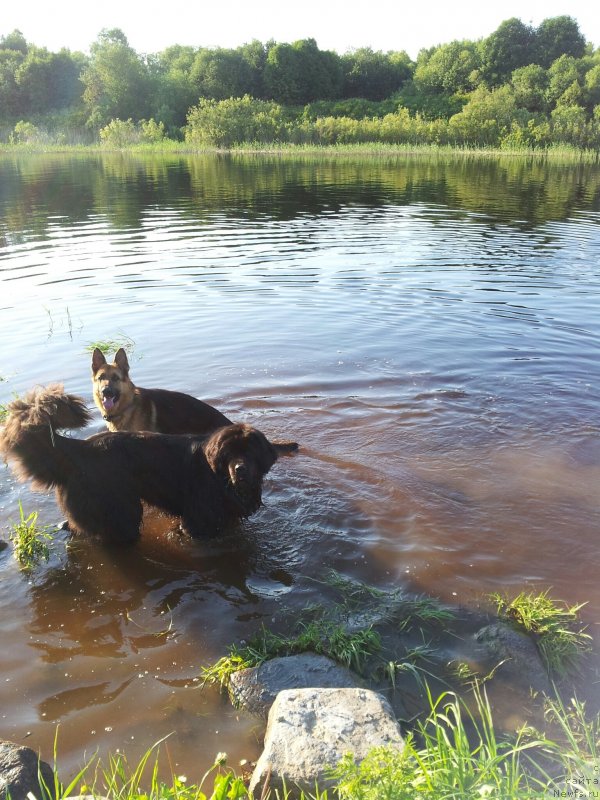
x,y
159,465
114,472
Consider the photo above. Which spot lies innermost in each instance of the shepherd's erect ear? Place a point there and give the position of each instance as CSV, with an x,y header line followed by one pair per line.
x,y
98,360
121,360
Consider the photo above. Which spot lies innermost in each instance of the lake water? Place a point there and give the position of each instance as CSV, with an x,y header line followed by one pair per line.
x,y
427,329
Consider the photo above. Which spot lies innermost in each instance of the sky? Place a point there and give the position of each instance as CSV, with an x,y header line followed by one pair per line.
x,y
338,25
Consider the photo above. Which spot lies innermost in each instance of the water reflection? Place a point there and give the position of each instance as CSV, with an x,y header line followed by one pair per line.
x,y
54,191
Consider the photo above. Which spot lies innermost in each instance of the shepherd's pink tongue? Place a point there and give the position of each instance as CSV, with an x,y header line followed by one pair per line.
x,y
108,403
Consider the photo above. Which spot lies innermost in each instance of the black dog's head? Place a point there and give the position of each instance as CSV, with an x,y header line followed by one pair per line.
x,y
241,456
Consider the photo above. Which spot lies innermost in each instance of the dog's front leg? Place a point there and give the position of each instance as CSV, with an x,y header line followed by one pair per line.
x,y
203,514
201,525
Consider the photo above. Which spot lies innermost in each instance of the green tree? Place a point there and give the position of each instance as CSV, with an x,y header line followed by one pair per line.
x,y
511,46
49,81
450,68
558,36
116,80
220,74
561,75
10,94
592,87
530,85
299,73
572,96
173,91
283,75
14,41
374,75
569,125
487,117
254,56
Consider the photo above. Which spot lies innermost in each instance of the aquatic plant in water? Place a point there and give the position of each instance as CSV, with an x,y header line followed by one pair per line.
x,y
30,541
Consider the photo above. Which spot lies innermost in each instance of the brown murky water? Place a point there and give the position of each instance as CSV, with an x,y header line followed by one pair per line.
x,y
428,330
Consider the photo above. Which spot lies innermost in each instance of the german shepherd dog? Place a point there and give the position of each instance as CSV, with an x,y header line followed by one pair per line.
x,y
208,481
126,407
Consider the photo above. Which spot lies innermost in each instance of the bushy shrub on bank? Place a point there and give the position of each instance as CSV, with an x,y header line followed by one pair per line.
x,y
223,123
489,119
124,133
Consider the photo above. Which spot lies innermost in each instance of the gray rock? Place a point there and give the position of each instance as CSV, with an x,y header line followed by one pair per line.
x,y
22,771
518,652
310,730
255,689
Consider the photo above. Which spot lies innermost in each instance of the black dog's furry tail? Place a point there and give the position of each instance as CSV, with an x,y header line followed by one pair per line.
x,y
28,434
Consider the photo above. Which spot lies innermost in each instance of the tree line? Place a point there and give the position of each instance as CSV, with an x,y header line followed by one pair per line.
x,y
522,84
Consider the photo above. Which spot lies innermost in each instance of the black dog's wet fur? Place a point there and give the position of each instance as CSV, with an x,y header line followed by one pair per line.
x,y
100,482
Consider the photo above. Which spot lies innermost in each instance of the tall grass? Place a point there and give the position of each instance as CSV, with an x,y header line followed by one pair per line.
x,y
119,779
559,153
458,755
454,754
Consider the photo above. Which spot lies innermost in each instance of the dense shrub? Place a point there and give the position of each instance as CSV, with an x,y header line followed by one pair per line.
x,y
120,133
224,123
124,133
25,133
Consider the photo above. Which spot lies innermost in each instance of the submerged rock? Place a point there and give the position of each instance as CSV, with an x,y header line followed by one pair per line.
x,y
23,772
255,689
517,655
310,730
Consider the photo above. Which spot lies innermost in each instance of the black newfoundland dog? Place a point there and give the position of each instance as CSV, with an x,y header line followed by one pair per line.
x,y
208,481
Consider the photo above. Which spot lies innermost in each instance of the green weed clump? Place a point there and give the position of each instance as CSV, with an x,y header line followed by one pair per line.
x,y
406,611
321,636
110,346
556,628
30,540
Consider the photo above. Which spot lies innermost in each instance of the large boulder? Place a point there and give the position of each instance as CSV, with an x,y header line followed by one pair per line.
x,y
22,772
256,688
310,730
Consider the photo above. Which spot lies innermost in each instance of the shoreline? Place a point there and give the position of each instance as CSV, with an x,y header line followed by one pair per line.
x,y
373,149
